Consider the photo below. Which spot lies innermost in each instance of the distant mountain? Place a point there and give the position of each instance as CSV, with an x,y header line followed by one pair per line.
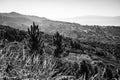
x,y
95,20
109,34
18,20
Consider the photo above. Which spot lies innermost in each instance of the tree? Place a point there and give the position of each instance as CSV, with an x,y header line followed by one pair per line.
x,y
84,69
57,41
35,42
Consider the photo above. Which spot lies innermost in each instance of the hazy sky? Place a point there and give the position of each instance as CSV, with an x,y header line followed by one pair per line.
x,y
62,8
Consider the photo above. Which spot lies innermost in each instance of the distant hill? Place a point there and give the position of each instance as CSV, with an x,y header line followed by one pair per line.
x,y
95,20
109,34
18,20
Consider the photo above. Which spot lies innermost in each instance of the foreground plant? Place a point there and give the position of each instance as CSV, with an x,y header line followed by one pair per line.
x,y
57,41
35,41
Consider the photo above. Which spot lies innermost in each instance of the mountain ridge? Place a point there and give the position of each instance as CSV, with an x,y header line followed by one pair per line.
x,y
109,34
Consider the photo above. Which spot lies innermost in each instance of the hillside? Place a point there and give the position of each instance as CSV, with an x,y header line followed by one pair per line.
x,y
11,34
55,57
105,34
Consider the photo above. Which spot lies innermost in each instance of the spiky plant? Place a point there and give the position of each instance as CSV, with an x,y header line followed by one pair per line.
x,y
57,41
35,41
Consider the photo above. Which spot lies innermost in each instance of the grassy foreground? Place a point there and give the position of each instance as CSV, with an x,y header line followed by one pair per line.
x,y
15,64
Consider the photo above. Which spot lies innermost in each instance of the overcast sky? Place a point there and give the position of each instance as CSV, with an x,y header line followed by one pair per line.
x,y
62,8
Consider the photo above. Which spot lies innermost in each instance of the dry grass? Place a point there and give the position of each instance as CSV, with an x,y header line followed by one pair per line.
x,y
15,64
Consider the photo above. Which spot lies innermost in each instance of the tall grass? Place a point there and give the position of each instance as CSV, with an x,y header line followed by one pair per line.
x,y
13,66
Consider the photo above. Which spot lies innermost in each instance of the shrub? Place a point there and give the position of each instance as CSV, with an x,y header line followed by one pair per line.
x,y
35,41
11,34
57,41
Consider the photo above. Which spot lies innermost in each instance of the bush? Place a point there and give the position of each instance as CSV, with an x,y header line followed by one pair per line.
x,y
11,34
57,41
35,41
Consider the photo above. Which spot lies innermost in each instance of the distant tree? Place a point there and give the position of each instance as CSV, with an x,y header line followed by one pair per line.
x,y
35,41
2,34
57,41
72,44
117,51
76,45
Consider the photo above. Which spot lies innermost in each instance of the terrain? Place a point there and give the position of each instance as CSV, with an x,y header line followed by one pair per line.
x,y
105,34
57,50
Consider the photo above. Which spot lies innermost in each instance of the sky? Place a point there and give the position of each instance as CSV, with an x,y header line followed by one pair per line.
x,y
54,9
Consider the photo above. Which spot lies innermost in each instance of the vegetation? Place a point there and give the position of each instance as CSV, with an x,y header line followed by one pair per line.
x,y
36,58
35,41
11,34
57,41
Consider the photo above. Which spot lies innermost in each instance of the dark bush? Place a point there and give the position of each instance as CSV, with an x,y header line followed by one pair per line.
x,y
57,41
35,41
